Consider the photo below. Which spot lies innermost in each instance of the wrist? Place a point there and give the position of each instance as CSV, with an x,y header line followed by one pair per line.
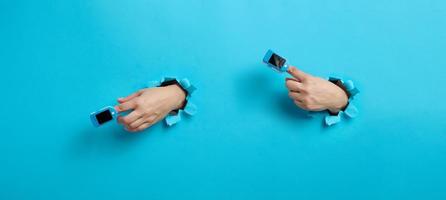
x,y
336,109
177,95
339,104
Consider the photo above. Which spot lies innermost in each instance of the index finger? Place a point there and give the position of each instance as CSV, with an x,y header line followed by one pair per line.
x,y
130,97
298,74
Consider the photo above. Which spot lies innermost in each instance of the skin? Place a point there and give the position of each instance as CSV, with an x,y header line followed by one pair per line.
x,y
313,93
148,106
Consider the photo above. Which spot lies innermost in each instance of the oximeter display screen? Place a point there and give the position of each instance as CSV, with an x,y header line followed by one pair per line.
x,y
104,116
276,60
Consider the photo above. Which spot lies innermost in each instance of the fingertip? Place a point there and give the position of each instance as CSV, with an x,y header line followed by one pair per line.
x,y
120,119
292,71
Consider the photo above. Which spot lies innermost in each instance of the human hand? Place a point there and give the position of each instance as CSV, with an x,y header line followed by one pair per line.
x,y
149,106
314,93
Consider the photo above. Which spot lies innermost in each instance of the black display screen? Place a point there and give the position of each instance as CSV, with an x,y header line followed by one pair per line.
x,y
276,60
104,117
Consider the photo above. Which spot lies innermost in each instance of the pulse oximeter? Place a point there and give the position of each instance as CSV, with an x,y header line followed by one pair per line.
x,y
275,61
103,116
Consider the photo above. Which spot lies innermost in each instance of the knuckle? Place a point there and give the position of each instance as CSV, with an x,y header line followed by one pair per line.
x,y
305,89
121,107
133,126
146,113
156,113
309,99
139,102
151,120
304,100
126,120
136,112
142,112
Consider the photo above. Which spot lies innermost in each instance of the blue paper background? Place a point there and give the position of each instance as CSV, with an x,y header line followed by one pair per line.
x,y
61,60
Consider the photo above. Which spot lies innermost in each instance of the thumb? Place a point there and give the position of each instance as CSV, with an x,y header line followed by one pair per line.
x,y
298,74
